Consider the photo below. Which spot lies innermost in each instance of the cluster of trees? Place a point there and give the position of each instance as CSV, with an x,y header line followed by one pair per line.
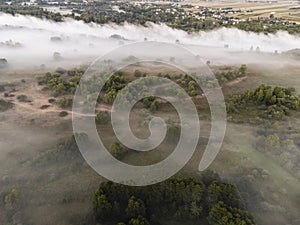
x,y
203,202
268,25
188,83
275,102
228,74
32,11
115,83
61,82
151,103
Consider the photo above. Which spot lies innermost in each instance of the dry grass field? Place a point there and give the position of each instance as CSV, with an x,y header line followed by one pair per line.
x,y
283,9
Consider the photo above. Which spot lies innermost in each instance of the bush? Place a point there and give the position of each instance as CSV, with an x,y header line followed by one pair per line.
x,y
103,117
137,73
154,106
64,102
117,150
63,113
5,105
23,98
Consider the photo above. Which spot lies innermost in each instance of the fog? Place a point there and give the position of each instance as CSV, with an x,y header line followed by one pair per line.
x,y
26,131
28,41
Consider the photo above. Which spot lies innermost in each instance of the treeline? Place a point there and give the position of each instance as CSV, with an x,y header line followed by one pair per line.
x,y
141,14
187,200
180,18
31,11
274,103
267,26
103,12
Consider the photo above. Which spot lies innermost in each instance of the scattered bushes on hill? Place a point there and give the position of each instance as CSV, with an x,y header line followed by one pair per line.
x,y
228,74
61,82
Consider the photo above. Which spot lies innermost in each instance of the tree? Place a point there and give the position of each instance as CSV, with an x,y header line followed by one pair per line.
x,y
110,96
272,140
12,198
138,221
137,73
195,210
64,102
148,101
135,208
101,206
154,106
103,117
242,69
219,215
117,150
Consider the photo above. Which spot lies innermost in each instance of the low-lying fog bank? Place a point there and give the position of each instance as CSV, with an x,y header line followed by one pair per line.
x,y
33,43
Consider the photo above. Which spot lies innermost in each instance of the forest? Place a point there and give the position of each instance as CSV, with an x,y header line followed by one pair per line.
x,y
191,201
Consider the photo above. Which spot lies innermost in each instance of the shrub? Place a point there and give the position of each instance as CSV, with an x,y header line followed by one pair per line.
x,y
63,113
64,102
23,98
103,117
5,105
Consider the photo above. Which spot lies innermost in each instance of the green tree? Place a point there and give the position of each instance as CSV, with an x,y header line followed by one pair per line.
x,y
138,221
242,70
135,208
137,73
103,117
154,106
110,96
102,207
219,215
195,210
117,150
12,199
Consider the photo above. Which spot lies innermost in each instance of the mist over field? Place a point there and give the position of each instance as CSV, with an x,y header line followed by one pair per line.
x,y
39,156
29,41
